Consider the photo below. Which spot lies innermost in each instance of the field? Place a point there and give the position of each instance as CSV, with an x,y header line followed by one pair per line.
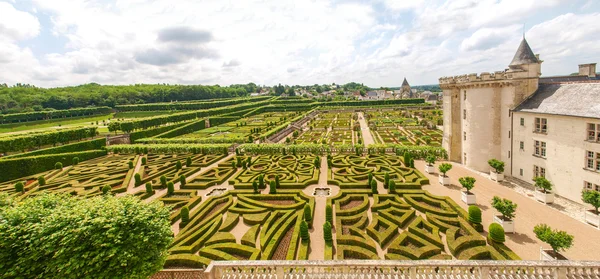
x,y
270,201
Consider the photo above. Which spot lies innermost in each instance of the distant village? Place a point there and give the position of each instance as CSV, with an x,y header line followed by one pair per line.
x,y
352,91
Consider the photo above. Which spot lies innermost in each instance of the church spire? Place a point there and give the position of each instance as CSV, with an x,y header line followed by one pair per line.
x,y
524,55
405,83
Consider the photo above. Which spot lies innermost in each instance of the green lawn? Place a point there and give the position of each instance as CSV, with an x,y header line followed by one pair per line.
x,y
140,114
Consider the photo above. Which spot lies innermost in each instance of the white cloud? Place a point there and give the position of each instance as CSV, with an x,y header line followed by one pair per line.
x,y
486,38
17,25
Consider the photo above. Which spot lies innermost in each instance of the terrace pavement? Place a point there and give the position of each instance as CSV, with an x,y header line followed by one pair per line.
x,y
529,213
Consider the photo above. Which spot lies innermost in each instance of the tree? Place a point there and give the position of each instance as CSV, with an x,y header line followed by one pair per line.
x,y
178,165
430,160
41,180
75,161
149,189
591,197
327,232
185,214
182,180
392,187
58,166
138,179
467,182
163,181
106,189
255,186
543,183
277,181
558,240
444,168
19,187
374,186
35,227
329,213
170,188
188,162
506,207
370,178
386,179
261,180
307,213
304,231
272,188
497,165
496,233
130,164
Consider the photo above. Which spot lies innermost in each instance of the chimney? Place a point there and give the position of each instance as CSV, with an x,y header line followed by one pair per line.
x,y
587,70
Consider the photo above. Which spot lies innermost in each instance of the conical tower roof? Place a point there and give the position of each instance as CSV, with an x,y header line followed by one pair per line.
x,y
405,83
524,55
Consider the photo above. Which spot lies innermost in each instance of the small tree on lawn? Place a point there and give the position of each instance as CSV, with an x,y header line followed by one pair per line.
x,y
430,160
497,165
255,186
261,181
304,231
144,160
182,180
163,181
374,186
42,180
329,214
444,168
467,182
272,187
170,188
307,213
130,164
106,189
75,161
370,178
58,166
386,179
19,187
506,207
392,187
138,179
188,162
591,197
543,183
558,240
185,214
178,165
149,189
327,232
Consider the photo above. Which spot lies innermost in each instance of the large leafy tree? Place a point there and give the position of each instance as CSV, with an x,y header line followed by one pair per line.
x,y
58,236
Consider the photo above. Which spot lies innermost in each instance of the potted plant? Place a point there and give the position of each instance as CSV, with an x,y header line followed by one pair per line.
x,y
429,168
593,198
497,174
468,183
543,190
443,178
507,210
558,240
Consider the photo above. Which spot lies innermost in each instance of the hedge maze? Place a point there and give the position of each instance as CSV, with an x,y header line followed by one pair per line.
x,y
294,171
240,225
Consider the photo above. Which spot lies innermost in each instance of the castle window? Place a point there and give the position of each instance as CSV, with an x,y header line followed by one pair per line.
x,y
509,154
464,135
590,186
465,95
521,172
593,132
465,158
509,134
592,160
539,148
541,125
521,145
538,172
464,114
522,121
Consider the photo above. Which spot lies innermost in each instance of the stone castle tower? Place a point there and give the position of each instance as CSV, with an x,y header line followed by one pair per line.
x,y
405,89
477,117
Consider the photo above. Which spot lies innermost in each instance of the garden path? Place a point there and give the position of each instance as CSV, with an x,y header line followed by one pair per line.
x,y
317,243
529,213
366,132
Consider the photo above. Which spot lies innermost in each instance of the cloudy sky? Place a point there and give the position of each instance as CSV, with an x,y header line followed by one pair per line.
x,y
68,42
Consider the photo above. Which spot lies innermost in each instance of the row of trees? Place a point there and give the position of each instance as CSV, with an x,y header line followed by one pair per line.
x,y
52,114
37,140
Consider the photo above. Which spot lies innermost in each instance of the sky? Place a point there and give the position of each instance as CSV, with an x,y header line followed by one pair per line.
x,y
53,43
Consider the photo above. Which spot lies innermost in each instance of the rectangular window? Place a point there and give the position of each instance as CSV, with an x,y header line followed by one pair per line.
x,y
521,172
464,114
538,171
593,132
522,121
541,125
522,145
590,186
592,160
465,95
465,158
539,148
464,135
509,154
509,134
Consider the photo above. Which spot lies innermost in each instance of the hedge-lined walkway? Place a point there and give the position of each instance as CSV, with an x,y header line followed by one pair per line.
x,y
529,213
364,128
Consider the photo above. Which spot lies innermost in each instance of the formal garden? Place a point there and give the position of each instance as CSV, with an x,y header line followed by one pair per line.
x,y
222,191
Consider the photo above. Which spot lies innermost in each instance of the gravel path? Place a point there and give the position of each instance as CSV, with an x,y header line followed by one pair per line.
x,y
366,132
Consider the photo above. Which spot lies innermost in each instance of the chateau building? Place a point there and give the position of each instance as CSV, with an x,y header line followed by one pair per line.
x,y
538,126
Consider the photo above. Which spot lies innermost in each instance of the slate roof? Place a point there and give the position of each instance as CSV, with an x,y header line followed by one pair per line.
x,y
524,55
576,99
405,82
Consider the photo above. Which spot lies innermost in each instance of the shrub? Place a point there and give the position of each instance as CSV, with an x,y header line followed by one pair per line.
x,y
130,164
543,183
149,188
244,165
36,226
444,168
272,188
138,179
329,214
248,161
277,181
178,165
233,165
496,233
106,189
42,180
307,213
261,181
75,160
392,187
467,182
19,187
370,178
327,232
430,160
374,186
497,165
185,214
182,180
255,186
558,240
163,181
144,160
238,161
58,166
506,207
317,163
474,214
170,188
386,179
591,197
304,231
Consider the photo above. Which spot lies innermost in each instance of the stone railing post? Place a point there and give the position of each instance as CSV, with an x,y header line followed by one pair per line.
x,y
209,272
560,272
413,272
279,272
484,272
